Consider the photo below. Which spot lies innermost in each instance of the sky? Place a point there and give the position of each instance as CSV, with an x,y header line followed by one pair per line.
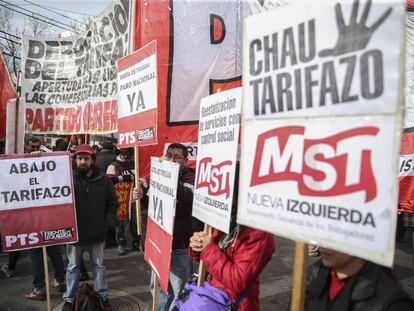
x,y
65,10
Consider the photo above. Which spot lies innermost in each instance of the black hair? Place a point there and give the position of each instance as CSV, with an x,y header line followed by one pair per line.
x,y
127,151
32,139
179,146
107,145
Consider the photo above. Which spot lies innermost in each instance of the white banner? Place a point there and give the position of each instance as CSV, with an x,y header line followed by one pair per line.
x,y
331,177
70,84
163,193
218,138
35,182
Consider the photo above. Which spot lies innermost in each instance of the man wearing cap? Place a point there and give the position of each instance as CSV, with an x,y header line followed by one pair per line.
x,y
96,205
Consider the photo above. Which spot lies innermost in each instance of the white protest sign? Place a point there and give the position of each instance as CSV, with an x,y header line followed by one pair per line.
x,y
35,182
308,63
138,95
163,193
330,178
36,192
218,138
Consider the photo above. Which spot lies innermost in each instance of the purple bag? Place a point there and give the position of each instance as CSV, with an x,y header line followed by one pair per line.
x,y
202,298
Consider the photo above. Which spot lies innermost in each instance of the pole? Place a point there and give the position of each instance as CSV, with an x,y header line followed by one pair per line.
x,y
154,302
45,265
138,202
202,267
299,276
16,115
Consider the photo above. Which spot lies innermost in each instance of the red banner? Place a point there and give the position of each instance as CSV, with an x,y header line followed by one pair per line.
x,y
6,92
406,176
189,66
123,192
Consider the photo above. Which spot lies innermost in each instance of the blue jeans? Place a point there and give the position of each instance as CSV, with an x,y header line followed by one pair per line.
x,y
180,270
38,271
74,254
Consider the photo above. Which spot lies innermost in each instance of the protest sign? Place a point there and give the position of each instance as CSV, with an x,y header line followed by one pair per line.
x,y
218,138
161,213
36,201
69,84
137,100
326,170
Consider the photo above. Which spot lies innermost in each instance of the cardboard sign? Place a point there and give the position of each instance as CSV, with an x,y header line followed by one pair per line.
x,y
36,201
218,138
331,177
70,84
161,214
137,86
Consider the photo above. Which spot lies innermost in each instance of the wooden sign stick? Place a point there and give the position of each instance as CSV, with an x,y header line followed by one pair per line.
x,y
155,296
299,276
202,267
138,202
46,267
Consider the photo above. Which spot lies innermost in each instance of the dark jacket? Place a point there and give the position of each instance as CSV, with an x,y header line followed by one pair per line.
x,y
237,271
96,205
371,289
185,224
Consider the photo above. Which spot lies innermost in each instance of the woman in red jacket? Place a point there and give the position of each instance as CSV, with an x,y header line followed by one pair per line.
x,y
235,261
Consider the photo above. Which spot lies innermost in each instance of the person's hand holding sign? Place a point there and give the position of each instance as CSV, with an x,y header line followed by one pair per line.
x,y
199,241
137,193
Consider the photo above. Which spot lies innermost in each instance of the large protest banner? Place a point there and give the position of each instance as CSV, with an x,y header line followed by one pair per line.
x,y
137,101
69,84
218,139
161,215
326,170
198,54
36,201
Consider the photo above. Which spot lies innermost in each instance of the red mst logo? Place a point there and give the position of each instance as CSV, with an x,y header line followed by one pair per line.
x,y
335,165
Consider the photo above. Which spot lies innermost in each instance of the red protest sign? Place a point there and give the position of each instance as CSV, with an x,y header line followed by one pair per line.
x,y
36,201
161,212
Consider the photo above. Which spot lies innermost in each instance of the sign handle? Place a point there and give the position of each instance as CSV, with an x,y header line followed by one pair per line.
x,y
45,265
155,299
138,202
299,276
202,267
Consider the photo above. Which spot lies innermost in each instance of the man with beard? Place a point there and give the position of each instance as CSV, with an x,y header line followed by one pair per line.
x,y
96,205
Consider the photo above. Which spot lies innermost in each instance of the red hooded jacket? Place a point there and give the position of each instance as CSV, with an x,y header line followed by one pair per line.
x,y
238,272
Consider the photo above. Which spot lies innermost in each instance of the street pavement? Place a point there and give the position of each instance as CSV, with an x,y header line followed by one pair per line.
x,y
128,278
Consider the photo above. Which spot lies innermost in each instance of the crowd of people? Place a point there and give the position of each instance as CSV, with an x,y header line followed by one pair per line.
x,y
233,261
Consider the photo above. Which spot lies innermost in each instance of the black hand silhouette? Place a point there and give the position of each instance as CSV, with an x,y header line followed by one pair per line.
x,y
355,36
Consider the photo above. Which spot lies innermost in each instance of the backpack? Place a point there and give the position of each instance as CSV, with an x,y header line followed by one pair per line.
x,y
206,297
87,299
